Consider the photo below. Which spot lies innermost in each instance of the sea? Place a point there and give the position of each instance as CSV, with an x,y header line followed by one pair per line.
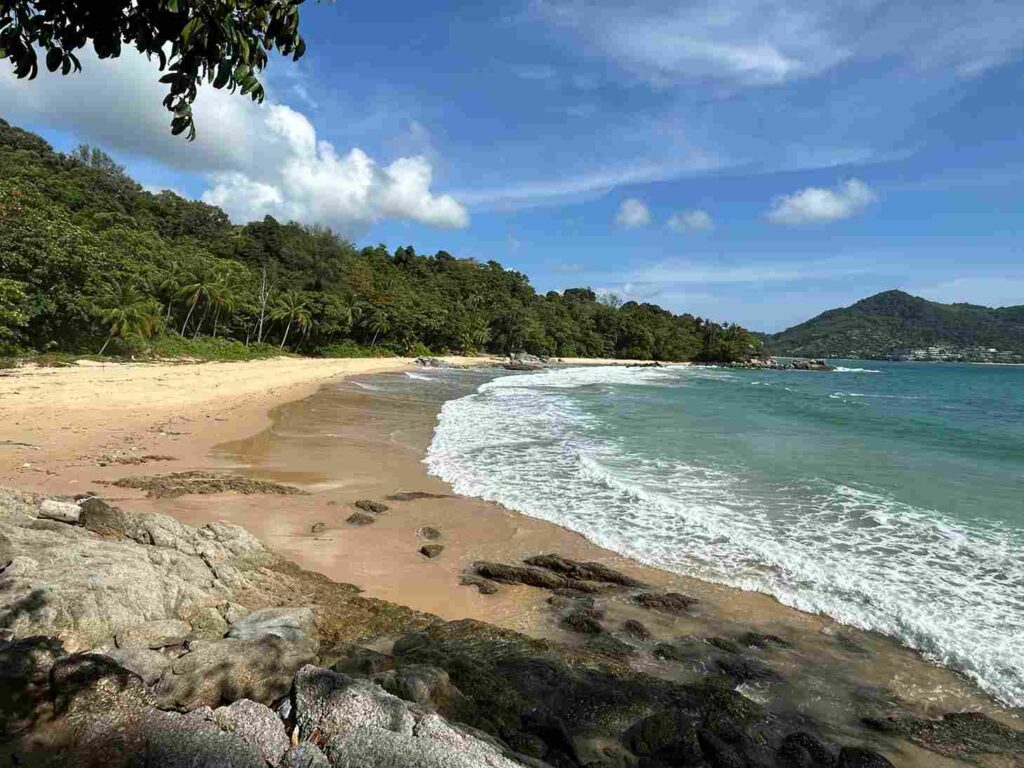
x,y
889,496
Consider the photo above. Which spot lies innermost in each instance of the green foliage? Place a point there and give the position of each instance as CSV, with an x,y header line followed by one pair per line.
x,y
88,258
224,42
892,322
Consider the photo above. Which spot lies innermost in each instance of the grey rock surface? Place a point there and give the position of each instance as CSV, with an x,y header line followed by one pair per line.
x,y
154,634
304,755
61,511
285,623
256,724
144,662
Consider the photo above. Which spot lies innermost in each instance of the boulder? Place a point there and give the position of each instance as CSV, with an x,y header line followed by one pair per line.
x,y
257,725
431,551
483,586
636,629
859,757
368,505
221,672
304,755
317,528
666,602
153,634
428,533
588,571
669,736
531,576
285,623
334,704
61,511
801,749
418,683
360,518
147,664
351,659
585,620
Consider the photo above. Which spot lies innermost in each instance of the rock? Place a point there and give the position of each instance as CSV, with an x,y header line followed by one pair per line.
x,y
221,672
574,569
7,553
415,495
334,704
318,528
360,518
257,725
61,511
153,634
285,623
484,586
610,646
21,566
367,505
428,533
802,750
958,735
101,518
859,757
105,718
758,640
666,602
147,664
585,620
636,629
534,577
355,660
203,483
723,644
742,669
304,755
668,735
431,550
418,683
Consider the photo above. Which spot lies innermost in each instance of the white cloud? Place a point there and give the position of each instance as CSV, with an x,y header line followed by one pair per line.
x,y
259,159
815,204
767,42
633,213
693,220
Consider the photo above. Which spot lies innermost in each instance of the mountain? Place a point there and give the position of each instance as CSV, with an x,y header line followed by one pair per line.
x,y
895,324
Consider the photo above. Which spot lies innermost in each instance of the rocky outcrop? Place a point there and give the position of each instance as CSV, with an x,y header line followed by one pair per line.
x,y
203,483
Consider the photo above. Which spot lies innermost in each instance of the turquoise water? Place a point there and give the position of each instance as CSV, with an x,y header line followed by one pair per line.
x,y
887,495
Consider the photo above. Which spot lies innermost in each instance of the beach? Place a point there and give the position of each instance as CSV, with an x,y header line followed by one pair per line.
x,y
78,429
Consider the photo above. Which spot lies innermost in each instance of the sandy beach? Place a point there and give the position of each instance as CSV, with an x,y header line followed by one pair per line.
x,y
77,429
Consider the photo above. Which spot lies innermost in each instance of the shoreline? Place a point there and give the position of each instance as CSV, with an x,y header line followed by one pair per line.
x,y
376,450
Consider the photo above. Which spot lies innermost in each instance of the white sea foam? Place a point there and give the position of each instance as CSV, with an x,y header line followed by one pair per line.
x,y
855,553
419,376
841,369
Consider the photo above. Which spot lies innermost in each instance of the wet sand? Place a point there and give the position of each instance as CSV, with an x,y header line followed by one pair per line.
x,y
341,443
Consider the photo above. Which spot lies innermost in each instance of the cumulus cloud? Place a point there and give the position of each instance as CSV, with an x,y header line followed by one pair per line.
x,y
633,213
816,204
257,159
693,220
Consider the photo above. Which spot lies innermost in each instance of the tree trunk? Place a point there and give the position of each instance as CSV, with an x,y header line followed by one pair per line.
x,y
109,337
375,337
286,329
188,317
216,319
202,320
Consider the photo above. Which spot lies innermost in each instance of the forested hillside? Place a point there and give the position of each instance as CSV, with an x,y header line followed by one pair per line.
x,y
891,323
90,262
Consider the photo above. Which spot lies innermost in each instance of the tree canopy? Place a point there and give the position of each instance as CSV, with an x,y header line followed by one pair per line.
x,y
222,42
89,259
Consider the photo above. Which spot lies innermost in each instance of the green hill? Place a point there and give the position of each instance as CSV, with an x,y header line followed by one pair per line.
x,y
895,324
92,263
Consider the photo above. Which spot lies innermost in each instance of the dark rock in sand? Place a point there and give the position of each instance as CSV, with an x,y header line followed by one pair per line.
x,y
318,528
802,750
534,577
368,505
415,495
742,669
585,620
483,586
723,644
666,602
574,569
859,757
360,518
428,533
959,735
203,483
431,550
758,640
636,629
669,652
670,736
610,646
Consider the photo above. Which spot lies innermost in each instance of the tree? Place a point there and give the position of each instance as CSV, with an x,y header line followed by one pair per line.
x,y
128,312
224,42
94,157
196,288
293,308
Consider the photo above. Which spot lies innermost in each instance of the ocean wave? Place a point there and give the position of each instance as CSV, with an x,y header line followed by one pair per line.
x,y
855,553
419,376
841,369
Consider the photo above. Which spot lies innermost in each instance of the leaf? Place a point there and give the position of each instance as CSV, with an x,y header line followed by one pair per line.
x,y
223,75
54,58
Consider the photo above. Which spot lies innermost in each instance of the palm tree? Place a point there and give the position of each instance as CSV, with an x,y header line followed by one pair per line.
x,y
196,287
171,286
293,308
223,298
378,321
128,312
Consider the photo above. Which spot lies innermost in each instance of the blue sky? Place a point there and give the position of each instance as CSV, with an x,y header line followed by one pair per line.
x,y
749,161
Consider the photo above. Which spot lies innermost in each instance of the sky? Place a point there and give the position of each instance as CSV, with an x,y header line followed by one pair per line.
x,y
750,161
